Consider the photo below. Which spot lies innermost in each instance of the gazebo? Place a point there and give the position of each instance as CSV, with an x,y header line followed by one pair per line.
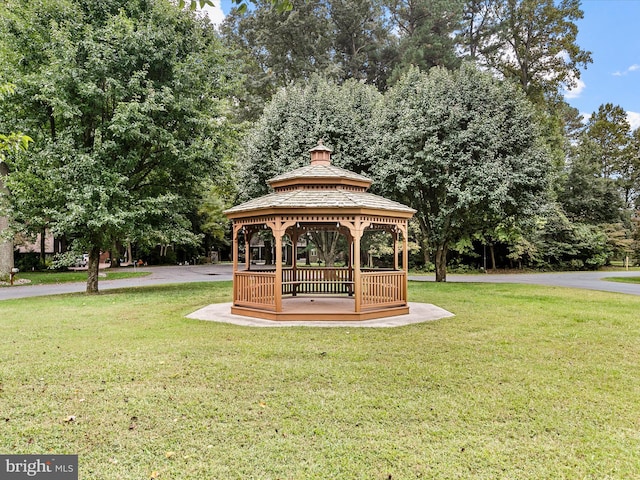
x,y
319,197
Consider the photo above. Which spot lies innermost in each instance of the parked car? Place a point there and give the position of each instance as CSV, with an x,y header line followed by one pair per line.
x,y
82,261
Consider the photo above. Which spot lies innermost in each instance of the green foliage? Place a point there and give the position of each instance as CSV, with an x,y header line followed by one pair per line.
x,y
293,122
530,41
337,39
463,150
586,195
12,142
279,5
426,29
212,208
125,100
562,244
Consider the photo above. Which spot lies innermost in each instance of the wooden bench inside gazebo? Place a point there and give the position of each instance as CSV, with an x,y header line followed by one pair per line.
x,y
319,197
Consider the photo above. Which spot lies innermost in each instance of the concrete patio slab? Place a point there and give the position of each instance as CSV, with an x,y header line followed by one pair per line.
x,y
418,313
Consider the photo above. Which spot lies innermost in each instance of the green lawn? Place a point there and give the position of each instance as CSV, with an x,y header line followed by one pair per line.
x,y
623,279
39,278
525,382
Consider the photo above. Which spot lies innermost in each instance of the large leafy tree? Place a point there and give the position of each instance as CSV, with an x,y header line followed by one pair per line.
x,y
462,149
293,122
426,31
123,98
337,39
530,41
10,143
609,133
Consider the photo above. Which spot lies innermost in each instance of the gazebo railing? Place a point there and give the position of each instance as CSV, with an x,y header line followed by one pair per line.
x,y
333,280
383,288
255,289
380,288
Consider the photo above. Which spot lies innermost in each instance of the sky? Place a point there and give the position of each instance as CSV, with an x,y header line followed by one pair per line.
x,y
609,30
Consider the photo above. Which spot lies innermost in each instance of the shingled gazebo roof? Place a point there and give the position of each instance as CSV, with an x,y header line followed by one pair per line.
x,y
320,186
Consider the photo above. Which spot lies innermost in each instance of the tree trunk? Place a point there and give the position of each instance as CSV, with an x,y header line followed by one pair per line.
x,y
115,255
92,273
6,244
441,263
43,243
268,254
493,257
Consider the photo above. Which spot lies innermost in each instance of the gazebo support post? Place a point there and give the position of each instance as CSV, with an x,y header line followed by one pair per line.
x,y
350,265
357,276
234,252
247,248
277,232
294,260
395,250
405,259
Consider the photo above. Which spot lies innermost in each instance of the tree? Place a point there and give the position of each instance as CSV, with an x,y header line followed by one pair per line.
x,y
477,26
125,100
295,119
9,144
279,5
530,41
609,133
463,150
426,29
337,39
364,47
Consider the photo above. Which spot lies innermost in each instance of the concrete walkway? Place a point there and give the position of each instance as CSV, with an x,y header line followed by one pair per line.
x,y
418,313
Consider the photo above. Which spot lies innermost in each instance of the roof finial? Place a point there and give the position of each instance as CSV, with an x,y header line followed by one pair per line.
x,y
320,154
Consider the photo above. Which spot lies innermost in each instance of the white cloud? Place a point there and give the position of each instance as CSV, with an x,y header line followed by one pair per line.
x,y
632,68
215,13
585,117
576,90
634,120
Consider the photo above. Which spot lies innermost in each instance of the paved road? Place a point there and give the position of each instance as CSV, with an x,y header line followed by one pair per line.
x,y
212,273
158,276
586,280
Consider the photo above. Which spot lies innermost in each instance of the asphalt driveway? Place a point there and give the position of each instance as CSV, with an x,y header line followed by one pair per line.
x,y
213,273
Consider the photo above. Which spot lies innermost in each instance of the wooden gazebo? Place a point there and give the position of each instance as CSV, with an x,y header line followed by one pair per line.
x,y
319,197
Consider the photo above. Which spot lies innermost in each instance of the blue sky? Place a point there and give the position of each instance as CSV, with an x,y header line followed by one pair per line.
x,y
609,30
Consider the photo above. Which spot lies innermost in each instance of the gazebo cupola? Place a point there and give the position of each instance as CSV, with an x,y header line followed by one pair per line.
x,y
320,155
319,197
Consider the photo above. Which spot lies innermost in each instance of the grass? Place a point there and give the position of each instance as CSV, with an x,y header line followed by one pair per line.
x,y
526,382
623,279
40,278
